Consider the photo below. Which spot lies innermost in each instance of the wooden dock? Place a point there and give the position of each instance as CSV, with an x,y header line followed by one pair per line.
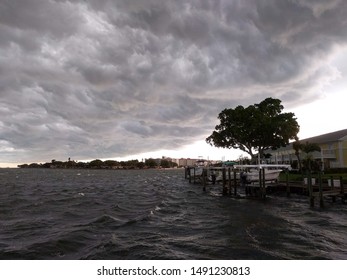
x,y
231,184
229,179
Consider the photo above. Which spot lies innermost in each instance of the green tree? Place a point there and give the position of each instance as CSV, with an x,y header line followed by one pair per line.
x,y
111,163
140,165
81,164
308,148
257,127
297,148
151,163
164,163
96,163
132,164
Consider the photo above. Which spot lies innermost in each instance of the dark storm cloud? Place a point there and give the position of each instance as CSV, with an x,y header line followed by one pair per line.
x,y
102,78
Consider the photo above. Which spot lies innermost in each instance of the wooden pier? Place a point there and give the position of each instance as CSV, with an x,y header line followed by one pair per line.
x,y
231,183
229,179
330,191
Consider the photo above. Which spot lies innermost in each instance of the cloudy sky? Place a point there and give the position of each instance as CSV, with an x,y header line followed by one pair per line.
x,y
104,79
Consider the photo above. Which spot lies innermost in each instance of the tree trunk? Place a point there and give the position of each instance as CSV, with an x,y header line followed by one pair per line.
x,y
299,162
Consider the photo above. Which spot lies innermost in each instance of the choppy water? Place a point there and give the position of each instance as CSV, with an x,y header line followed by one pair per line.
x,y
156,214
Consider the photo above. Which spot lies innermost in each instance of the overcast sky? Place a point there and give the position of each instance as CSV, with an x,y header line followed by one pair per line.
x,y
103,79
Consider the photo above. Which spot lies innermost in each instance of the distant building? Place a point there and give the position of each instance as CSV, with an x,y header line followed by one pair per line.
x,y
333,152
182,162
186,161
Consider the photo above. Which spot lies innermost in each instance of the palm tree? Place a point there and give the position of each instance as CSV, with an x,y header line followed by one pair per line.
x,y
307,148
297,146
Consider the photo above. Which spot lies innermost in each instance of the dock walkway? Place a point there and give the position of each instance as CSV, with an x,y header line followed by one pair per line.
x,y
232,185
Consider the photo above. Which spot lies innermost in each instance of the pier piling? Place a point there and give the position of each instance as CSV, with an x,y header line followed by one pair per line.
x,y
235,184
204,179
229,180
310,189
342,190
320,185
287,183
225,191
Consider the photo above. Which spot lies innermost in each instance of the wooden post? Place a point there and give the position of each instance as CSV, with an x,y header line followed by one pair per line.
x,y
342,190
260,177
321,201
194,175
229,180
262,182
213,175
332,187
264,185
287,183
190,175
225,191
204,172
235,183
310,191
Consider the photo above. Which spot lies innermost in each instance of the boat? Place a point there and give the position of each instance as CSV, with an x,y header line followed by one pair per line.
x,y
251,172
198,168
271,171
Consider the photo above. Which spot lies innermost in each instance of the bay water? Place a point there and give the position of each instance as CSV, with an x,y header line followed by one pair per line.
x,y
156,214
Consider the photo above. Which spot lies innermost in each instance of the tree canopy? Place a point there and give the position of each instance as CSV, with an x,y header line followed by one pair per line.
x,y
307,148
257,127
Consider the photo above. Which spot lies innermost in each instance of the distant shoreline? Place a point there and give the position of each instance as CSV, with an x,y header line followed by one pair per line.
x,y
106,165
77,168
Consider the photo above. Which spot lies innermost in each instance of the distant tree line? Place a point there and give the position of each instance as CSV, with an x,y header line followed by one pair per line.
x,y
107,164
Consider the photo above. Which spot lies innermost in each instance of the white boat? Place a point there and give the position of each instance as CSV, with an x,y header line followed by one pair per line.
x,y
198,168
270,175
272,172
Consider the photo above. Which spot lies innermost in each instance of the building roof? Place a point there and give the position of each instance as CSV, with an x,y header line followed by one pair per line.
x,y
320,139
328,137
